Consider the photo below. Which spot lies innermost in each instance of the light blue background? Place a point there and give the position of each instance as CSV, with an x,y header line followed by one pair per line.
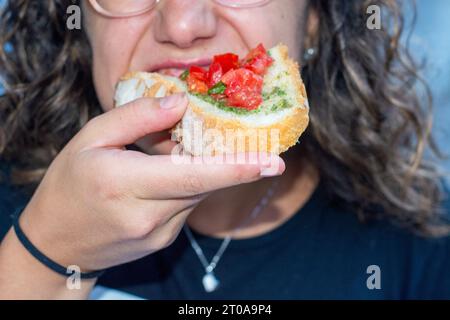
x,y
431,40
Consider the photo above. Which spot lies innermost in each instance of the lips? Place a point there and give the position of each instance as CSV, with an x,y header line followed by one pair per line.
x,y
175,68
173,72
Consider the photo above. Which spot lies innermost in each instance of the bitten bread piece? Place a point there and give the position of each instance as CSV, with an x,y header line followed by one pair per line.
x,y
210,128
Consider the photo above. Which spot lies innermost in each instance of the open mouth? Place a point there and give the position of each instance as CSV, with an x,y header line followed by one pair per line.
x,y
175,72
175,68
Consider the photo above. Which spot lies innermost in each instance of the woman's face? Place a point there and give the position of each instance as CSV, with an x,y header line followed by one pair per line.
x,y
178,33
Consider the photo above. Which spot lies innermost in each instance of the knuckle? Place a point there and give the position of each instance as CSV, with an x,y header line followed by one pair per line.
x,y
133,109
141,225
165,240
173,228
192,184
138,108
168,242
140,112
109,192
240,174
138,229
91,124
104,184
87,133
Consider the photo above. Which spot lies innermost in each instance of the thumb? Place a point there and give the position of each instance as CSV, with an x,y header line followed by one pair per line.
x,y
127,124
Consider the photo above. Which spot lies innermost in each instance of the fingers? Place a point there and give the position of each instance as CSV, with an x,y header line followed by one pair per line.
x,y
168,232
172,206
125,125
158,177
160,212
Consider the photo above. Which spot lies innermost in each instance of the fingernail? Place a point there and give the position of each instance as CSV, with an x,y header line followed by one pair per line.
x,y
269,172
172,101
274,167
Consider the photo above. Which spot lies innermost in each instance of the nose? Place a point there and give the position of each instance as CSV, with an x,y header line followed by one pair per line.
x,y
183,22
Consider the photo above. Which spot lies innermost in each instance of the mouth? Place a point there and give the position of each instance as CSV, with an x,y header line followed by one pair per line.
x,y
176,68
173,72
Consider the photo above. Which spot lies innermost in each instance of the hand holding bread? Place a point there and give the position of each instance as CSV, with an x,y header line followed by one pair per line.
x,y
100,205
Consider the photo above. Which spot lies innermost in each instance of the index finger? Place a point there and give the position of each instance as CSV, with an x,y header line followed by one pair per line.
x,y
158,177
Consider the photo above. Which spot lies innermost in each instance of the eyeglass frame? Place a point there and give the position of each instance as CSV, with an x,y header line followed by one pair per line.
x,y
98,8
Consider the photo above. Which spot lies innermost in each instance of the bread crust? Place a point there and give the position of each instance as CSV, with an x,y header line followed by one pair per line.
x,y
279,135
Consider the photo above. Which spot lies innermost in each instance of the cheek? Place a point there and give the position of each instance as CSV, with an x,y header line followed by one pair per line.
x,y
113,45
287,27
278,22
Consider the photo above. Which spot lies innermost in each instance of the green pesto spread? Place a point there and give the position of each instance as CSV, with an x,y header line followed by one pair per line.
x,y
272,101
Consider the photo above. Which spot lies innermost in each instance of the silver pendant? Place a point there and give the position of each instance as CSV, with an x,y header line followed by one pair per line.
x,y
210,282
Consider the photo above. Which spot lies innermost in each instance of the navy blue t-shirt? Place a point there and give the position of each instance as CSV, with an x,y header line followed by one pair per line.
x,y
322,252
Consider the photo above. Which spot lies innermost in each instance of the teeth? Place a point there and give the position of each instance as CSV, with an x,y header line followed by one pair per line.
x,y
171,72
175,72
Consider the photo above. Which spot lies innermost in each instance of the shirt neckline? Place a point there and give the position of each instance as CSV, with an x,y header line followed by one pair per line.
x,y
304,216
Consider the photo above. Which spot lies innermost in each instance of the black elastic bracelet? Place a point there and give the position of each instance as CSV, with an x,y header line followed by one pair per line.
x,y
49,263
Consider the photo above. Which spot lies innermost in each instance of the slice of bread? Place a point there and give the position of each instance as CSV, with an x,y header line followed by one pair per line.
x,y
210,129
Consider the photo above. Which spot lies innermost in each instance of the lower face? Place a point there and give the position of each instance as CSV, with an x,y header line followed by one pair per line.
x,y
186,31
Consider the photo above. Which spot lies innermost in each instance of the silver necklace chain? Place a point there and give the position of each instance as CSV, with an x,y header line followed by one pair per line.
x,y
210,281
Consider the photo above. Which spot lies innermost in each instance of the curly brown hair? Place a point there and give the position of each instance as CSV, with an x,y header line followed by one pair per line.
x,y
370,126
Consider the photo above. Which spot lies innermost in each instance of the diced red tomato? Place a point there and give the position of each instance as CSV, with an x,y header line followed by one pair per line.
x,y
196,80
243,81
221,65
246,99
257,60
227,61
197,86
214,74
244,88
198,73
256,52
242,78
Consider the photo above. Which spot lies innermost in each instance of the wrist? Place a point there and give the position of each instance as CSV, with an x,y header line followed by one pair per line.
x,y
23,277
53,237
64,271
